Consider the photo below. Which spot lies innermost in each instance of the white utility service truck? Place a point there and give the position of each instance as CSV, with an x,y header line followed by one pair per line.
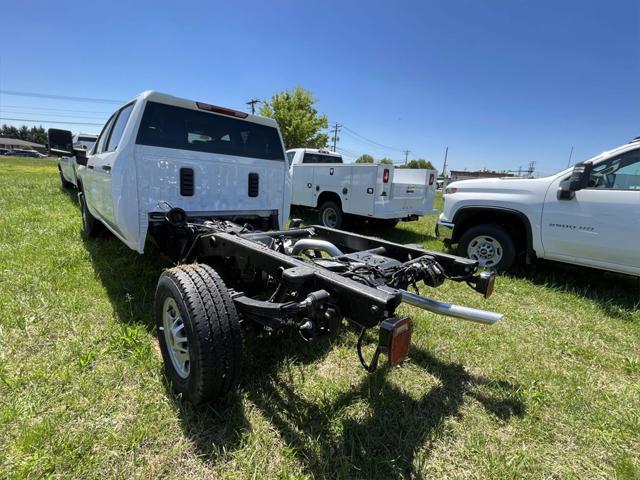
x,y
211,187
343,192
585,215
67,166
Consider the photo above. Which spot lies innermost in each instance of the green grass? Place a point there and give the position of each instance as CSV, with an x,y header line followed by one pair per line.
x,y
553,391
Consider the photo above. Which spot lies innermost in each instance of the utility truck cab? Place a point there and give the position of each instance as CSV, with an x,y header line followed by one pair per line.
x,y
159,151
586,215
345,192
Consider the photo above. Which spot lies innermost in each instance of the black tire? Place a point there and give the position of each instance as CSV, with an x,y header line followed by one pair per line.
x,y
91,226
496,239
65,185
331,210
212,329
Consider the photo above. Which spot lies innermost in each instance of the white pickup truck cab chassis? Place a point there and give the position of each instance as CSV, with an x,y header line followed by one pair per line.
x,y
211,187
347,191
586,215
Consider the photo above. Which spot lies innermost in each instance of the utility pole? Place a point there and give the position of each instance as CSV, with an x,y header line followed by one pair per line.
x,y
252,103
336,129
444,169
406,156
532,168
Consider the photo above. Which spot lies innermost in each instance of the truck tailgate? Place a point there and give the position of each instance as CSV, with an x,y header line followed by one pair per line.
x,y
412,192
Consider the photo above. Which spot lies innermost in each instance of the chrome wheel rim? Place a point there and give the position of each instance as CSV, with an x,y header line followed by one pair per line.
x,y
329,217
175,337
486,250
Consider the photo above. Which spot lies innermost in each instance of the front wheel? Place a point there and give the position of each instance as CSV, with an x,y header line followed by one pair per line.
x,y
65,184
199,332
491,245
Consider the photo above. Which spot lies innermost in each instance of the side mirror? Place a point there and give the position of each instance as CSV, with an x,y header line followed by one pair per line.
x,y
81,156
580,176
579,180
60,142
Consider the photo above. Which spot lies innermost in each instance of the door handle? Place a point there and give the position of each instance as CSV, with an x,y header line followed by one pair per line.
x,y
106,168
90,167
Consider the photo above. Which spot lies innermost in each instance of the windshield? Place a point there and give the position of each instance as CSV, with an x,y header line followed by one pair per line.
x,y
169,126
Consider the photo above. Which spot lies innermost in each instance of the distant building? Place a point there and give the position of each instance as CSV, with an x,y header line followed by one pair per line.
x,y
456,175
16,144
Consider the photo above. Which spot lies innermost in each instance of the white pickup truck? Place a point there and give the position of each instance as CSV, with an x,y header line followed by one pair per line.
x,y
67,166
586,215
211,187
347,191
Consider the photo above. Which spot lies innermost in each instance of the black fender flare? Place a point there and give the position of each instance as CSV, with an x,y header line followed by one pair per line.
x,y
471,209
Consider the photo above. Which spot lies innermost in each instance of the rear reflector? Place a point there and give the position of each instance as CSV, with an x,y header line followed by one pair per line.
x,y
432,177
395,339
222,110
385,176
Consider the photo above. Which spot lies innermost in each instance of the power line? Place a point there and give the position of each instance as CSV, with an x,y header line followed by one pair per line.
x,y
53,109
49,121
372,141
406,156
59,97
3,110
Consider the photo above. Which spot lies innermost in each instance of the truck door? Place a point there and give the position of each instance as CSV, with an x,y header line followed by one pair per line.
x,y
90,178
104,164
600,225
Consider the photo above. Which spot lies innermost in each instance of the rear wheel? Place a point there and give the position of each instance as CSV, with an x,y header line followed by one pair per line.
x,y
331,215
199,332
91,227
491,245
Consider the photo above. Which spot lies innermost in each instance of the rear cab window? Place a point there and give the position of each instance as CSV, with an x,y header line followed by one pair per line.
x,y
181,128
320,158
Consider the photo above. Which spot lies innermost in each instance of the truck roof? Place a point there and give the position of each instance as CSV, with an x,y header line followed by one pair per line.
x,y
154,96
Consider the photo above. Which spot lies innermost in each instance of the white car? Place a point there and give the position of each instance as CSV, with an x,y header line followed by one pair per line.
x,y
586,215
159,151
68,166
348,191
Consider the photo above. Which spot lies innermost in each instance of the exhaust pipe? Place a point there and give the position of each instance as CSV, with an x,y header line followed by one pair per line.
x,y
457,311
315,244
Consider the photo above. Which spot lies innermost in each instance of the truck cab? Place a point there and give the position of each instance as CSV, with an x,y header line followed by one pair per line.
x,y
585,215
159,152
345,193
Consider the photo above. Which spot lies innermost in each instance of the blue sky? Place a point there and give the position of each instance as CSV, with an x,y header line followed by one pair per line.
x,y
501,83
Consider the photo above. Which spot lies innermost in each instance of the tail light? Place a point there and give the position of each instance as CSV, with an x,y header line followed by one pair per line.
x,y
432,177
385,176
395,339
224,111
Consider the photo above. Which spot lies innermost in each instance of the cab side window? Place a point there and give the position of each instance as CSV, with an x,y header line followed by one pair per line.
x,y
99,148
118,128
618,173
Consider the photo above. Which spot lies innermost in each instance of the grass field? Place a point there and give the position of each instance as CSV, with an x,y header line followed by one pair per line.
x,y
553,391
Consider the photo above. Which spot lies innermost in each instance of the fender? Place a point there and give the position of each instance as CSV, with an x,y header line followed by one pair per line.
x,y
473,209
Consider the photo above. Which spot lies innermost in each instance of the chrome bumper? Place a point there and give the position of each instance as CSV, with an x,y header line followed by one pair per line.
x,y
444,230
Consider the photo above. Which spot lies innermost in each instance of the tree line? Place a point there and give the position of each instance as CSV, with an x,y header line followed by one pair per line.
x,y
33,134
